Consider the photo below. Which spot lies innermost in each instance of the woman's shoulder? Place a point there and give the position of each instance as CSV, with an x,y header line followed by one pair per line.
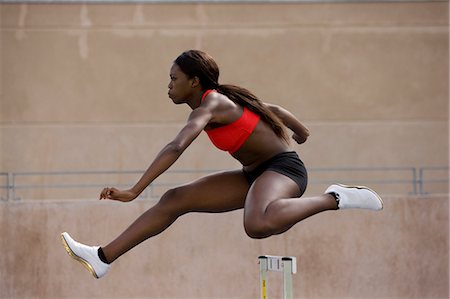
x,y
216,99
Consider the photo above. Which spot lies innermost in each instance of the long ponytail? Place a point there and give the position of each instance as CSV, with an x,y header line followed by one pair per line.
x,y
246,98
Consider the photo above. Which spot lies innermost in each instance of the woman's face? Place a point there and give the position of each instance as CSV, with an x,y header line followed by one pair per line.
x,y
180,86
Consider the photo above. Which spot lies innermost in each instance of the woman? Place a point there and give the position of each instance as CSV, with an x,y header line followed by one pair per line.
x,y
268,187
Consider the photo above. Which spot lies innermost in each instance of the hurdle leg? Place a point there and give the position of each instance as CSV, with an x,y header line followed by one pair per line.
x,y
263,268
289,268
286,264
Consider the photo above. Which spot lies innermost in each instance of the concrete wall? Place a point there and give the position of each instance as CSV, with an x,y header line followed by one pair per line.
x,y
401,252
84,86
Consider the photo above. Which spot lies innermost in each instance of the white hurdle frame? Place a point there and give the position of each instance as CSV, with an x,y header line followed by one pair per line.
x,y
285,264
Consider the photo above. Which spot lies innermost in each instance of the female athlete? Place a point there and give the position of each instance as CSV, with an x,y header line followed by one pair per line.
x,y
268,187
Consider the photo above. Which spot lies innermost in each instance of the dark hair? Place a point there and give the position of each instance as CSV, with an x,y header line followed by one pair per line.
x,y
196,63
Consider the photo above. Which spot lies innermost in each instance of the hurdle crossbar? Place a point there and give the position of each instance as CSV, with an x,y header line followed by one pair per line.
x,y
285,264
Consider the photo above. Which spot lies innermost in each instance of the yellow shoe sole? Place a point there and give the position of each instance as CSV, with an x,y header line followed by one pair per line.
x,y
77,258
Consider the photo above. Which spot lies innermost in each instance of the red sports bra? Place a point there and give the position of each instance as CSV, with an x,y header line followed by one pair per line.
x,y
230,137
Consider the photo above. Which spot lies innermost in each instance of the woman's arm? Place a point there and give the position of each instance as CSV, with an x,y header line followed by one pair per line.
x,y
197,121
301,133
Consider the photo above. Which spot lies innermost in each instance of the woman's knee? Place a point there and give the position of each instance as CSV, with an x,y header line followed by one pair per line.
x,y
172,201
258,229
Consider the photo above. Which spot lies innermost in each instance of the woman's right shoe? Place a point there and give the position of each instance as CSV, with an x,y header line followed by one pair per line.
x,y
86,255
356,197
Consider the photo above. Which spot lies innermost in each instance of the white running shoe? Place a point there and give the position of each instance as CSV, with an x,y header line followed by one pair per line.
x,y
356,197
86,255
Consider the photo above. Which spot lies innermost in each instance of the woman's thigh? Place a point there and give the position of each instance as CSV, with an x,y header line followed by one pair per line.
x,y
218,192
267,188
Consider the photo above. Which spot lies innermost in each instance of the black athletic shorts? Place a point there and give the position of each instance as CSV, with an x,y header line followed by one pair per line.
x,y
288,164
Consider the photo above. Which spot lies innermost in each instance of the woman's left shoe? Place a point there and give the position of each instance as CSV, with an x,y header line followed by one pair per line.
x,y
86,255
356,197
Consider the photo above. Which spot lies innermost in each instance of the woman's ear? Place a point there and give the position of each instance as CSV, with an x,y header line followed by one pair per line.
x,y
195,82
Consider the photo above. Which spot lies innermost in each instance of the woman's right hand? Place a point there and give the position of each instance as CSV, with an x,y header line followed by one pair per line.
x,y
116,194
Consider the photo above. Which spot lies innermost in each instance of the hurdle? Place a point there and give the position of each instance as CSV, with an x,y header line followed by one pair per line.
x,y
285,264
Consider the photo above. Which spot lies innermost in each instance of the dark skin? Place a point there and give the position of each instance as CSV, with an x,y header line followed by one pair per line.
x,y
271,204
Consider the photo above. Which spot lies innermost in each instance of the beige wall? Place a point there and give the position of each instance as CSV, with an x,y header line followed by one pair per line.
x,y
83,87
401,252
